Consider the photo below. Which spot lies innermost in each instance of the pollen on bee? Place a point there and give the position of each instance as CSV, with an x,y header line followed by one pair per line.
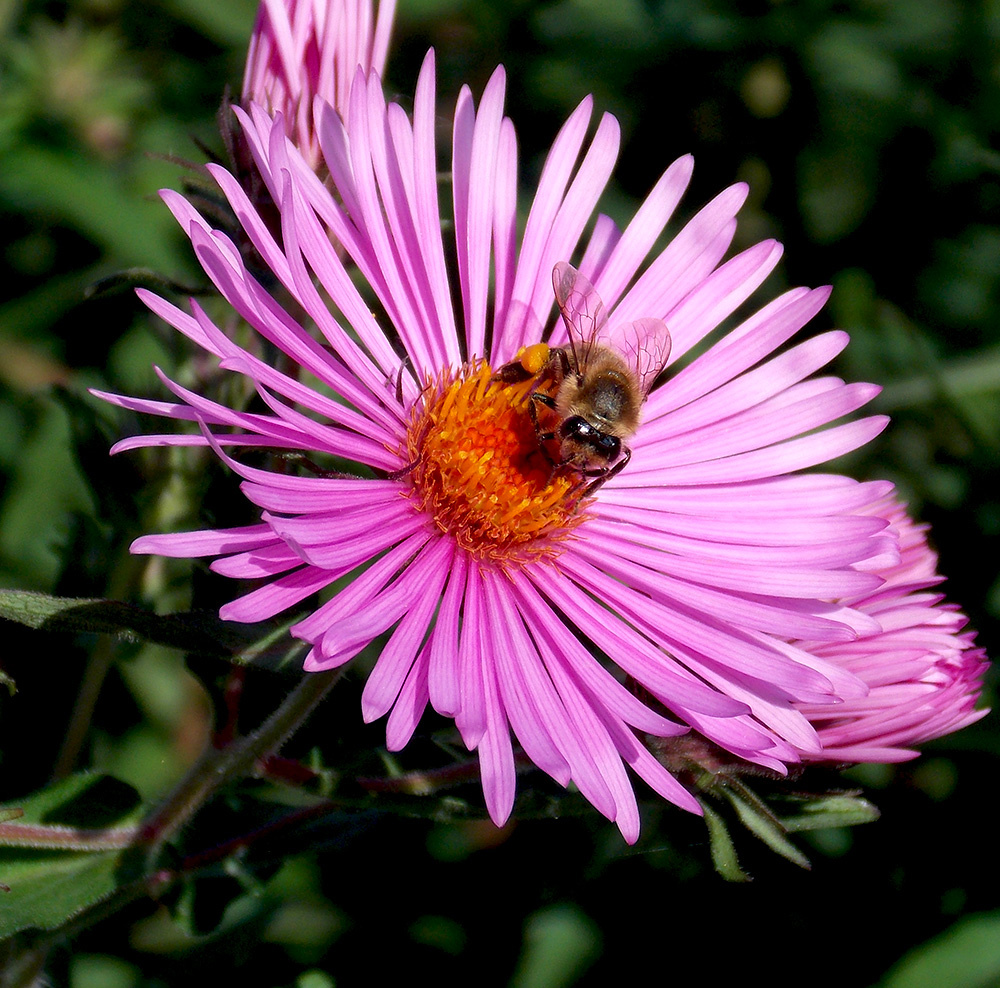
x,y
478,470
534,357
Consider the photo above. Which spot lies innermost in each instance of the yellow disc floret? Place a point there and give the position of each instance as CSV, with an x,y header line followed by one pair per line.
x,y
479,472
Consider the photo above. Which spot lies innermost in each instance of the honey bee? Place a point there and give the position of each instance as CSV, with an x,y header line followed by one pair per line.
x,y
590,392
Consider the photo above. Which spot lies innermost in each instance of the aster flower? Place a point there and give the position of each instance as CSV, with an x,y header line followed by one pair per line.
x,y
923,672
509,604
303,49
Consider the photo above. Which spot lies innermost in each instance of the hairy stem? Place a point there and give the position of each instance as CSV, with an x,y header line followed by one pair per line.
x,y
217,766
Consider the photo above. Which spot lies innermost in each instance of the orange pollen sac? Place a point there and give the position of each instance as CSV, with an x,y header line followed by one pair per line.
x,y
479,471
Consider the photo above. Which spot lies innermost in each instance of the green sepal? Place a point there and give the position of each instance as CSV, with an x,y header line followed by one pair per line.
x,y
723,850
755,815
823,812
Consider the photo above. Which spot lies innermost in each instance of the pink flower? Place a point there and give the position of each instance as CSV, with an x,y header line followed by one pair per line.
x,y
923,673
507,604
304,49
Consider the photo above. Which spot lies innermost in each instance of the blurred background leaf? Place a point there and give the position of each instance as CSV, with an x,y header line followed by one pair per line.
x,y
868,130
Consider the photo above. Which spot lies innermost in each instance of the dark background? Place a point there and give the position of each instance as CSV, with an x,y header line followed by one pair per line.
x,y
868,133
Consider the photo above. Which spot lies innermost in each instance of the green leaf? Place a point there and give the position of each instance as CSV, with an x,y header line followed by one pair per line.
x,y
227,22
91,197
560,943
965,956
724,858
191,632
761,822
846,809
85,799
49,887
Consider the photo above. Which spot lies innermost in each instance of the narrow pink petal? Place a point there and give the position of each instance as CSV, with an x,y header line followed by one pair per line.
x,y
475,239
353,542
526,693
443,677
776,616
361,589
718,296
763,527
277,596
632,652
427,210
505,341
264,561
744,392
409,707
590,677
496,757
738,351
685,262
639,758
532,278
786,457
308,494
603,240
676,630
208,542
423,590
472,717
801,496
578,204
634,245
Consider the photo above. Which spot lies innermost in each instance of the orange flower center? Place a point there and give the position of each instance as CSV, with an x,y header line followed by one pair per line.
x,y
480,473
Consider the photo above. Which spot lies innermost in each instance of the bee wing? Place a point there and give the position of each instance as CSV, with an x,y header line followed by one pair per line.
x,y
582,311
645,344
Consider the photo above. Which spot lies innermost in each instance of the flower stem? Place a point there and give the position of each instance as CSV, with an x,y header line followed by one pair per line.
x,y
217,766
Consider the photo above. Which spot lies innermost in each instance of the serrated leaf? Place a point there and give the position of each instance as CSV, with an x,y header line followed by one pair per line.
x,y
49,887
724,858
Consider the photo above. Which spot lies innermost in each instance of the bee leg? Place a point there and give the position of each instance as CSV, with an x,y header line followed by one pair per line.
x,y
403,471
414,463
513,373
399,380
538,398
313,468
561,357
606,473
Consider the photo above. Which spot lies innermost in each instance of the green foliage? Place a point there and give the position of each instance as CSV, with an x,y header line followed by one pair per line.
x,y
47,886
198,633
867,129
967,955
560,943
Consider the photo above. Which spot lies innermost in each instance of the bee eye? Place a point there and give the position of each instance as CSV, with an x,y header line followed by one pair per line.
x,y
610,446
577,427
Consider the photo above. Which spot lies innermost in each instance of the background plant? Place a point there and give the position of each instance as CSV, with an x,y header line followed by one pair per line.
x,y
867,133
